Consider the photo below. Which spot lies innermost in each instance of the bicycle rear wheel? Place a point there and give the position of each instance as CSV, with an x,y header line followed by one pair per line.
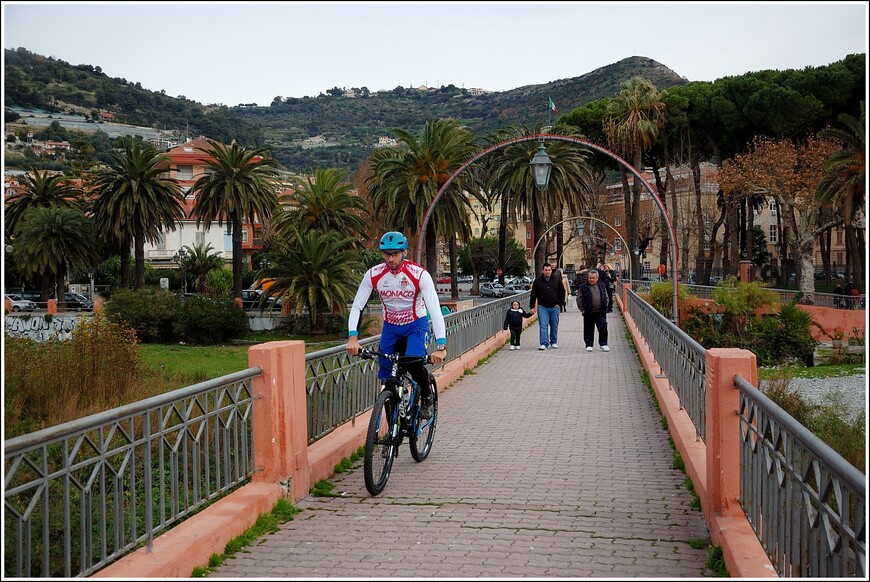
x,y
420,443
380,447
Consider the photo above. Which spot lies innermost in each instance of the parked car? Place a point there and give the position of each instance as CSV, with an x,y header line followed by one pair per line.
x,y
20,304
514,289
491,289
34,296
251,300
77,302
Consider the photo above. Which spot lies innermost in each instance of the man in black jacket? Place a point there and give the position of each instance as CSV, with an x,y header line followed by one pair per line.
x,y
592,297
548,295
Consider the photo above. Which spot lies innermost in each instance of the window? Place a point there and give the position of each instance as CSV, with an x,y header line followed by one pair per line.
x,y
244,235
773,237
706,241
772,206
161,242
185,172
200,237
617,244
617,221
839,237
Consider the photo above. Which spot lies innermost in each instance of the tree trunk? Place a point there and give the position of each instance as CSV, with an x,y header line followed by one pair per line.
x,y
454,273
431,249
502,234
702,260
139,244
125,264
237,257
60,281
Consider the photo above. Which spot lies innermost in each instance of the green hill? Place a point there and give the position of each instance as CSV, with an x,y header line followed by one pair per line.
x,y
329,130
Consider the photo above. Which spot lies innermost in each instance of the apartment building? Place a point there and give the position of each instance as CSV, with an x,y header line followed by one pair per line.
x,y
187,164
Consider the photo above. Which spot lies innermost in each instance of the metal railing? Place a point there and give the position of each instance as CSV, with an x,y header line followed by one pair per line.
x,y
681,359
340,387
785,295
804,501
79,495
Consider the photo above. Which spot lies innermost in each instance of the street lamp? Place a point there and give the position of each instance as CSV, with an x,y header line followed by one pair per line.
x,y
542,166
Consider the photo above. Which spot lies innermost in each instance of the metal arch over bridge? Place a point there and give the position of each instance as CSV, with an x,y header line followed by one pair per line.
x,y
570,218
541,137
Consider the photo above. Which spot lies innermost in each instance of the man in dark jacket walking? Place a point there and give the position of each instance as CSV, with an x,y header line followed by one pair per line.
x,y
548,295
593,306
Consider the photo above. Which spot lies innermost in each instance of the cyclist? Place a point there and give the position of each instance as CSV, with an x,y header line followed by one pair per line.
x,y
407,293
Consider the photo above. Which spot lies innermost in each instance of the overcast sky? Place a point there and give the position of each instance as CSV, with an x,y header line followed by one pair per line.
x,y
251,52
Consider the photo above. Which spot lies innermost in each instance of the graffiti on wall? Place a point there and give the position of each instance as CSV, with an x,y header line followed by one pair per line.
x,y
37,328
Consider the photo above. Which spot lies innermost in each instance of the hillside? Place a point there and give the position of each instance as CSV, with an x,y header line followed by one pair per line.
x,y
330,130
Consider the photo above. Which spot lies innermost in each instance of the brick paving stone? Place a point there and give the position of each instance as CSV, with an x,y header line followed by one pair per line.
x,y
545,464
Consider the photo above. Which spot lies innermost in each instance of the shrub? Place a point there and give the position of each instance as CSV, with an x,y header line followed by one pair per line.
x,y
56,381
151,311
739,302
204,320
785,337
661,296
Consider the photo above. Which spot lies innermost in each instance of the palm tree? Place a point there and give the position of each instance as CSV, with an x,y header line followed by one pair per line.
x,y
50,239
132,199
39,191
634,118
199,262
843,184
317,270
405,180
238,187
326,203
511,179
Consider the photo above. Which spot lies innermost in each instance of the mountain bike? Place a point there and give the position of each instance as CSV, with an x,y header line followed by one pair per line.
x,y
395,416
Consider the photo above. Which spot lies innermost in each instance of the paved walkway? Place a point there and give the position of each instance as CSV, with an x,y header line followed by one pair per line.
x,y
545,464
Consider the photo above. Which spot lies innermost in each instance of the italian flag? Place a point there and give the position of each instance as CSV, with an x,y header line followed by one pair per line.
x,y
552,105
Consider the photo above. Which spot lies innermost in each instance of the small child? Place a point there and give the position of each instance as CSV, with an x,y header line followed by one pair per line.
x,y
513,319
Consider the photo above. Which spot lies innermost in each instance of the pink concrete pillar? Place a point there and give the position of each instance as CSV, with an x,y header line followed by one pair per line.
x,y
723,426
625,289
747,271
281,415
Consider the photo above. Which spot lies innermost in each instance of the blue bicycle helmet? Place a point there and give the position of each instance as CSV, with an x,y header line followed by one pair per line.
x,y
394,241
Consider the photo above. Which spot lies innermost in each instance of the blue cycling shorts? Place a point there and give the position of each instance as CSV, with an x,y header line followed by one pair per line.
x,y
417,336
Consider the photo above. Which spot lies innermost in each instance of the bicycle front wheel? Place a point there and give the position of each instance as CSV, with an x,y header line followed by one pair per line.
x,y
420,443
380,447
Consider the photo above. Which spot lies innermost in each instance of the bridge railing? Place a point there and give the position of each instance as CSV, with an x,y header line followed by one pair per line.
x,y
81,494
679,357
341,387
804,501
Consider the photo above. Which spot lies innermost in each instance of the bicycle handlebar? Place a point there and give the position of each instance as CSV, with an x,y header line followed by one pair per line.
x,y
368,354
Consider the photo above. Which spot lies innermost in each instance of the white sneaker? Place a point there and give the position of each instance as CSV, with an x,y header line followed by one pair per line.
x,y
605,349
589,349
517,347
554,346
542,347
511,348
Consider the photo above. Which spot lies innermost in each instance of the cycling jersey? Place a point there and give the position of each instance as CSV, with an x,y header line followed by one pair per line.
x,y
405,295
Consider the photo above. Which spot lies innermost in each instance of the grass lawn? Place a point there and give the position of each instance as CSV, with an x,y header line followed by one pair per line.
x,y
182,365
